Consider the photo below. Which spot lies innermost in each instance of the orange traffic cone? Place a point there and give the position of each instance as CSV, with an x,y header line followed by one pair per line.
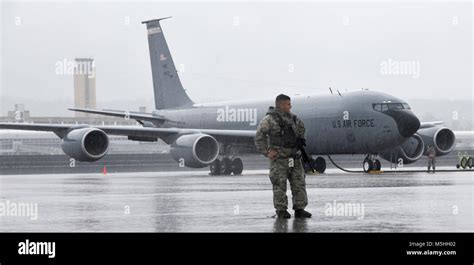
x,y
104,170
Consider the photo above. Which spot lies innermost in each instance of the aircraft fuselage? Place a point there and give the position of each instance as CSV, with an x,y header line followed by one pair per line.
x,y
334,124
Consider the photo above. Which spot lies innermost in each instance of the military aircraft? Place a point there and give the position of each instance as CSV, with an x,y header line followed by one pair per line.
x,y
200,135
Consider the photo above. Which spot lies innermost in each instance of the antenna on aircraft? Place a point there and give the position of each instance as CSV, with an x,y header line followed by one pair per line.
x,y
331,90
339,93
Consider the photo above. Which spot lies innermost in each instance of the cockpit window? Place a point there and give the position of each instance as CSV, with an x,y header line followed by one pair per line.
x,y
377,107
387,105
395,106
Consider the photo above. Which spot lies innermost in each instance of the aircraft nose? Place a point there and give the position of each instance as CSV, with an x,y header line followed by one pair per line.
x,y
407,122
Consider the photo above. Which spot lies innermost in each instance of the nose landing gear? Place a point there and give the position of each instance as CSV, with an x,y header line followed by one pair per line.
x,y
370,163
319,164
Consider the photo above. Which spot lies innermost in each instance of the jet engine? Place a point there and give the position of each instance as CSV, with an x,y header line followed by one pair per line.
x,y
441,138
85,144
410,151
195,150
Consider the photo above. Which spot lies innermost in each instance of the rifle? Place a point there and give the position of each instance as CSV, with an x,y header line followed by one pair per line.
x,y
300,141
300,144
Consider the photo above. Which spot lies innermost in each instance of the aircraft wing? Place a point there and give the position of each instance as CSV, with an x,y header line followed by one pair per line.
x,y
166,134
126,114
430,124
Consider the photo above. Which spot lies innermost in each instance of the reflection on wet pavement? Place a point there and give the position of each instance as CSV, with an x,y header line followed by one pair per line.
x,y
197,202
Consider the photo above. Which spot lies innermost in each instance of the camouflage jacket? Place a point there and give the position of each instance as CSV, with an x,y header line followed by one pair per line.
x,y
431,152
268,133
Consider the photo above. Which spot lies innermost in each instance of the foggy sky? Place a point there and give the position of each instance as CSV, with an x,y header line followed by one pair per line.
x,y
235,50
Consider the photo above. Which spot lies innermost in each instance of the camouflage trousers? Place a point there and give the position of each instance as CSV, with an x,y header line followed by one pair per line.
x,y
281,170
431,163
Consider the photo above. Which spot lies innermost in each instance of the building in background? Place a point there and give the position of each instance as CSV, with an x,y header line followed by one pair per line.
x,y
84,85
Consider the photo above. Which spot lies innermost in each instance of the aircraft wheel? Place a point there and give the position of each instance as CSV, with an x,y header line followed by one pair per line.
x,y
237,166
226,166
320,164
215,167
457,166
464,162
377,165
469,162
367,165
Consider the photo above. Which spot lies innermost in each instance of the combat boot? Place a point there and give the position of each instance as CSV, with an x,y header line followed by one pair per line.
x,y
300,213
283,214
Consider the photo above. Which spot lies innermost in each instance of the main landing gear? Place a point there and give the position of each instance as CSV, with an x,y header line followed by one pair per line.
x,y
227,165
370,163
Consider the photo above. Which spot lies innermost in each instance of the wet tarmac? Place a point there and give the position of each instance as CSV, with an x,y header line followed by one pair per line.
x,y
196,202
115,163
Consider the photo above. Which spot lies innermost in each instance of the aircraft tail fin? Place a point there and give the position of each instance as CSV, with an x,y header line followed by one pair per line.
x,y
168,90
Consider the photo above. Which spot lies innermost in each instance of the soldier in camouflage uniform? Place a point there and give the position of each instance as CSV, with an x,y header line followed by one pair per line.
x,y
276,138
431,158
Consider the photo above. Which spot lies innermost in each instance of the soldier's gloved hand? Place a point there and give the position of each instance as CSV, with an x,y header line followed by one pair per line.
x,y
300,142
